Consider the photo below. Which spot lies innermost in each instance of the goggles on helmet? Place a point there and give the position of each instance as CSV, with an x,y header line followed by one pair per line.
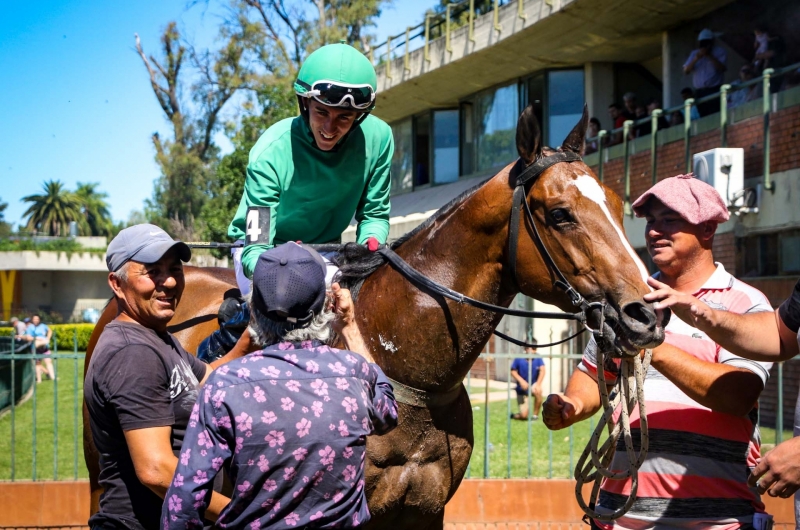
x,y
338,94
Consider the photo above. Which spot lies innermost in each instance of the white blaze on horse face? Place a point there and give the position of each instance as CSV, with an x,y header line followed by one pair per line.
x,y
591,189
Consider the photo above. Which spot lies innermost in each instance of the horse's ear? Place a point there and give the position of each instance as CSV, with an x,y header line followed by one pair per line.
x,y
576,139
529,136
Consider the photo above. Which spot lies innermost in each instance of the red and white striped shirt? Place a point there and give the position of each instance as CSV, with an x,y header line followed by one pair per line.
x,y
696,469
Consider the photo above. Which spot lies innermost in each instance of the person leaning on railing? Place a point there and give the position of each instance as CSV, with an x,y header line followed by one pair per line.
x,y
771,337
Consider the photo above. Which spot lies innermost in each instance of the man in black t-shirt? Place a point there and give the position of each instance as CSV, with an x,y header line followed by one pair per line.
x,y
141,385
770,337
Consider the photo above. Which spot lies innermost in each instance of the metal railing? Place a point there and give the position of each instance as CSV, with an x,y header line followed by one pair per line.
x,y
504,448
493,425
32,428
768,106
424,31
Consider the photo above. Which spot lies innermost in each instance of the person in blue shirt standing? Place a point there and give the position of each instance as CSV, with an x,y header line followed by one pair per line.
x,y
40,333
524,371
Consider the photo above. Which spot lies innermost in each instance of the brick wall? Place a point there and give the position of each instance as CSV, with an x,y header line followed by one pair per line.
x,y
724,250
747,134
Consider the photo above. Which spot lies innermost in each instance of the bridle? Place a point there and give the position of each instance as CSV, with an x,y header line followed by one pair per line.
x,y
518,203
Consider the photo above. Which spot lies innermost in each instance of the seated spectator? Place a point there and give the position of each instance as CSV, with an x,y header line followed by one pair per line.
x,y
676,118
743,95
617,119
524,371
592,142
291,419
687,93
629,100
652,105
40,333
769,48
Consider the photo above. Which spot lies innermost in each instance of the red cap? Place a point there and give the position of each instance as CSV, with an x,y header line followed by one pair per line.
x,y
691,198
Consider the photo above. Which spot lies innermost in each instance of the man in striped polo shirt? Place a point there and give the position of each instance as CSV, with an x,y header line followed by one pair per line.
x,y
701,399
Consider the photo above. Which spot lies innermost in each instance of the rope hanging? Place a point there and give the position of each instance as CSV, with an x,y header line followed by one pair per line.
x,y
595,462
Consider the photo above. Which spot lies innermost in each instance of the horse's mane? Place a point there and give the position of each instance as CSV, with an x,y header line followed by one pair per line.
x,y
356,263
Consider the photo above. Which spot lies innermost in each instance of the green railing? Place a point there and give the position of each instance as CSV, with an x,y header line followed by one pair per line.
x,y
767,107
41,436
423,33
507,448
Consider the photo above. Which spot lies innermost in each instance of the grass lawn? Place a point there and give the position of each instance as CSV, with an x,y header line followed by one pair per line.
x,y
44,465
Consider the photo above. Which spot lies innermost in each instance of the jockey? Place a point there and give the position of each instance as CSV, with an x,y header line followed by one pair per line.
x,y
308,176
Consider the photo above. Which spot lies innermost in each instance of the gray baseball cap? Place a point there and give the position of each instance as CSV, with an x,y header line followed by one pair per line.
x,y
144,243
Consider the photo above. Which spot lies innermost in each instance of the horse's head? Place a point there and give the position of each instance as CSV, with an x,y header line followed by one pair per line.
x,y
580,225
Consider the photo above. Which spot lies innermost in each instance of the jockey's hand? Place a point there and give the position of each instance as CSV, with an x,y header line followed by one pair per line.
x,y
687,307
372,244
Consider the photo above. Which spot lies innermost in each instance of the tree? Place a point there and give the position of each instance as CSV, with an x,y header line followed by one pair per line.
x,y
52,211
5,228
95,218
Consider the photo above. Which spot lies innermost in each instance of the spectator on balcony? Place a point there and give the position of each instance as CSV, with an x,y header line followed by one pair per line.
x,y
643,129
652,105
618,119
629,103
592,142
769,48
707,64
701,398
743,95
694,113
528,373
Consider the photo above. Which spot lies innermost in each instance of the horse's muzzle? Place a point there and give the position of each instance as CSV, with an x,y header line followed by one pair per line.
x,y
642,325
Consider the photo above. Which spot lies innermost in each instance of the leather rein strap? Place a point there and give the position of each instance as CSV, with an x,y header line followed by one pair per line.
x,y
424,398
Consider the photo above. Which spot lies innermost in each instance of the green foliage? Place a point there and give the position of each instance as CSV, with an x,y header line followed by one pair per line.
x,y
5,228
64,335
95,219
52,211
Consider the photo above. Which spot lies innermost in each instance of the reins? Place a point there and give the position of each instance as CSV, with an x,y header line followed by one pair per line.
x,y
596,460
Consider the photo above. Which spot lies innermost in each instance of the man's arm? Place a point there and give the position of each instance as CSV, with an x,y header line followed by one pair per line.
x,y
581,400
154,463
693,58
762,336
720,387
519,379
345,324
372,213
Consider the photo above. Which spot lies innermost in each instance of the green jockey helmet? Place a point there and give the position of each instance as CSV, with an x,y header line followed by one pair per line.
x,y
338,75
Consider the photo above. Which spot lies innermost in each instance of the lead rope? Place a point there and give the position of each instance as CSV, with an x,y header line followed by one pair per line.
x,y
595,462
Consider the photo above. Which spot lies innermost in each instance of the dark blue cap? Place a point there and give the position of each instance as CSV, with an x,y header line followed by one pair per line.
x,y
289,284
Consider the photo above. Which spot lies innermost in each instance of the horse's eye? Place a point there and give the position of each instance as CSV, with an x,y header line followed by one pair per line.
x,y
560,215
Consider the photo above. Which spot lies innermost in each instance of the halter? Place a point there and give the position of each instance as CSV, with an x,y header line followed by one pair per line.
x,y
531,174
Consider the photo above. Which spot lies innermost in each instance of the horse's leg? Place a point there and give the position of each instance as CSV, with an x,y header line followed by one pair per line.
x,y
437,522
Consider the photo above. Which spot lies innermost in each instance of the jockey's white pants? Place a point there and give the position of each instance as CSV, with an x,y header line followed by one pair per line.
x,y
245,284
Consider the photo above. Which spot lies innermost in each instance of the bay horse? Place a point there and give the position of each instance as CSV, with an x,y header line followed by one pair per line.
x,y
429,343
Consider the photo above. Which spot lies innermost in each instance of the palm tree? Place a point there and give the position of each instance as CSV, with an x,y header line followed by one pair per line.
x,y
52,211
96,219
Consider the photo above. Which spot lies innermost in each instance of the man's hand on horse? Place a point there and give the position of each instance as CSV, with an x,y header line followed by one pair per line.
x,y
558,412
687,307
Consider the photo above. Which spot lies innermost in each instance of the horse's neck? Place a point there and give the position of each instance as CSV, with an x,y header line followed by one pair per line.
x,y
429,343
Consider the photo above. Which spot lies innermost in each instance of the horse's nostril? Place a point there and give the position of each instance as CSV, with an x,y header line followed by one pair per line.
x,y
640,313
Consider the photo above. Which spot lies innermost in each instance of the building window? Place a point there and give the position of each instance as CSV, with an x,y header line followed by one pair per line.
x,y
490,124
557,97
445,146
775,254
402,161
565,98
422,149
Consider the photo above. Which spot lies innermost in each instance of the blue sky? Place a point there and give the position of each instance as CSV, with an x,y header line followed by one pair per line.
x,y
75,100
